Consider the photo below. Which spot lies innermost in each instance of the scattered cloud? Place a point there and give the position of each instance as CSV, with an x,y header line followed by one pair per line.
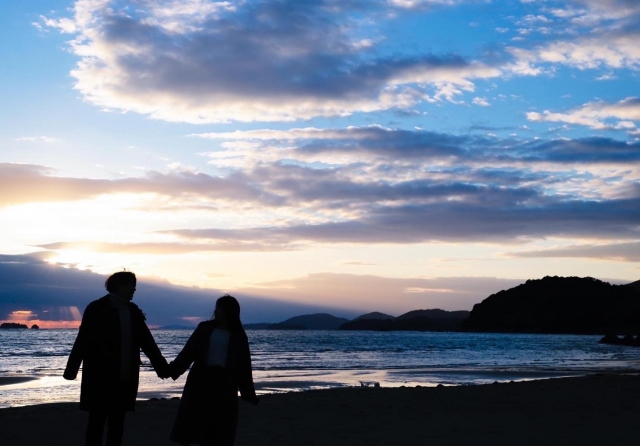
x,y
368,185
619,252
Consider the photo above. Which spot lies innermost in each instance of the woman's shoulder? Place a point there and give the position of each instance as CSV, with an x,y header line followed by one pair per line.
x,y
206,326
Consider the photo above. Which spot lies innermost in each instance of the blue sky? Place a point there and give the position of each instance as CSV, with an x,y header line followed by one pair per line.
x,y
296,149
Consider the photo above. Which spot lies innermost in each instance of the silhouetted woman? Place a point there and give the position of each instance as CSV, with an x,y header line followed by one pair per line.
x,y
219,352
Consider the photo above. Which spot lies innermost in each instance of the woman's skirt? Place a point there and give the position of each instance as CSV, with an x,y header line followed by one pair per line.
x,y
208,412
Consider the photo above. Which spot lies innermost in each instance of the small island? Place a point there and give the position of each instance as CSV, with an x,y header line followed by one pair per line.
x,y
13,325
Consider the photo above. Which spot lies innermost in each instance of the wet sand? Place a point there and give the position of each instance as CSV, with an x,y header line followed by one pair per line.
x,y
9,380
592,410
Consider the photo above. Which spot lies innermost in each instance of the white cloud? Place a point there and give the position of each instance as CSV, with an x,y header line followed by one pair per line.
x,y
481,102
411,4
532,19
198,61
47,139
597,115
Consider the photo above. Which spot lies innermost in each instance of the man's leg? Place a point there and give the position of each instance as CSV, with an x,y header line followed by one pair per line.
x,y
95,427
115,422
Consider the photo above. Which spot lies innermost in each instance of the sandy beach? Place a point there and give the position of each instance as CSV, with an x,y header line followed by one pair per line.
x,y
594,410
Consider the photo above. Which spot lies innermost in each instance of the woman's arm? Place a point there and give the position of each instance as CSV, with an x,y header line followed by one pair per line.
x,y
188,354
245,374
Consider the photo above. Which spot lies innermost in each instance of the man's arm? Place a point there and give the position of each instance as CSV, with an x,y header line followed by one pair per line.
x,y
81,344
150,348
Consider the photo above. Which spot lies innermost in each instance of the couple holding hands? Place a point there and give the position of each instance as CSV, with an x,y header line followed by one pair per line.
x,y
111,335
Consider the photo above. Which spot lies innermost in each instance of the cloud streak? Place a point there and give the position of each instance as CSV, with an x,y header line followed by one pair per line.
x,y
620,252
25,183
451,222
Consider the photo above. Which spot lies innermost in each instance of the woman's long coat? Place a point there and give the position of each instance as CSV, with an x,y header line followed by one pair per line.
x,y
97,347
208,411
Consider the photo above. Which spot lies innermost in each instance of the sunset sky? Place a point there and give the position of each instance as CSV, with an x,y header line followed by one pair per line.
x,y
360,155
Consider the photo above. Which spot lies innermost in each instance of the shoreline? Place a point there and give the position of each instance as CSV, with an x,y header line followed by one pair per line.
x,y
597,409
29,390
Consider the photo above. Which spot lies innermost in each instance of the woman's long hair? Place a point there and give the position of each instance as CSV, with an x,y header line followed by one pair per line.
x,y
231,309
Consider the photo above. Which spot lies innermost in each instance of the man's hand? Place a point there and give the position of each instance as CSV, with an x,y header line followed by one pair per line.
x,y
163,372
68,375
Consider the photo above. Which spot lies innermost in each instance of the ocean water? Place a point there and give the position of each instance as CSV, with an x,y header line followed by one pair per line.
x,y
299,360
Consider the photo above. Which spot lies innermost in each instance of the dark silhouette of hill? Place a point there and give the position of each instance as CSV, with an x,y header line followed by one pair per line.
x,y
12,325
317,321
635,285
257,326
176,327
374,315
560,305
283,326
435,314
416,320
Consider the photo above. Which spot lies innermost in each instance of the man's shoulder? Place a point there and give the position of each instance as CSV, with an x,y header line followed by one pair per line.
x,y
98,303
137,311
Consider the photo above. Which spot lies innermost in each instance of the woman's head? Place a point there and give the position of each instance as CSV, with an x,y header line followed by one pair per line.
x,y
227,310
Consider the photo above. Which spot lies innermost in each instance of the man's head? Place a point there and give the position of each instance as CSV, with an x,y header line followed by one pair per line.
x,y
122,283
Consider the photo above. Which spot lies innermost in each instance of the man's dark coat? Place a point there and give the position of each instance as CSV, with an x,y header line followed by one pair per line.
x,y
98,348
208,409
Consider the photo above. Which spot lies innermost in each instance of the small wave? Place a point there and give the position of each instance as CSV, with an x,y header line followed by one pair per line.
x,y
35,354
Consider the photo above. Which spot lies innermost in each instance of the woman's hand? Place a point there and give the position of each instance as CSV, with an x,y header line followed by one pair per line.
x,y
252,400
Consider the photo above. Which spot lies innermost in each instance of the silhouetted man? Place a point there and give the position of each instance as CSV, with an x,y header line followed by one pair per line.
x,y
112,332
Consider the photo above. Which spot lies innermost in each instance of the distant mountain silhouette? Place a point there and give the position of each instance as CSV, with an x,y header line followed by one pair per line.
x,y
257,326
435,313
283,326
177,327
374,315
416,320
318,321
635,285
560,305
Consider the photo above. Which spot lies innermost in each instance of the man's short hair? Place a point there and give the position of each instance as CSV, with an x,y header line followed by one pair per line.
x,y
116,280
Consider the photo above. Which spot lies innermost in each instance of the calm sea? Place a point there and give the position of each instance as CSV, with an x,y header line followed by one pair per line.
x,y
299,360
